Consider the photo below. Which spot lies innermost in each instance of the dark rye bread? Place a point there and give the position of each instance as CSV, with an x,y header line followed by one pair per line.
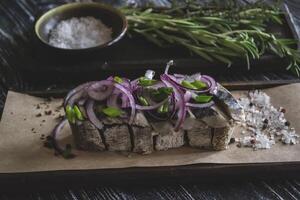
x,y
87,136
205,128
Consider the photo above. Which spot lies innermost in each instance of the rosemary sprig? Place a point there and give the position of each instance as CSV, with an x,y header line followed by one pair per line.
x,y
214,33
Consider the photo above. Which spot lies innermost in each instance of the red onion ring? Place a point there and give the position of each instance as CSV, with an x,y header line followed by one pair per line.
x,y
100,90
112,101
180,97
56,131
152,107
76,93
213,84
202,105
205,80
92,115
131,101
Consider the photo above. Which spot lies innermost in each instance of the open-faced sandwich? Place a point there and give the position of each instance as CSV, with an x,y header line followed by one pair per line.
x,y
151,113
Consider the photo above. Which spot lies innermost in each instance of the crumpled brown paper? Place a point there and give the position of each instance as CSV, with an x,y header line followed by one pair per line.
x,y
21,147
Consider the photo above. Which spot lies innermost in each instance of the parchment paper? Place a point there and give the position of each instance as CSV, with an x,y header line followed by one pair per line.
x,y
21,147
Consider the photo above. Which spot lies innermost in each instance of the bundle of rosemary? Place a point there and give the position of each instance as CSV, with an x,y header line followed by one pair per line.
x,y
216,33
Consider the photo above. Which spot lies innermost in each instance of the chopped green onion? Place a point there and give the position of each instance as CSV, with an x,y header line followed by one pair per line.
x,y
165,90
160,109
162,93
78,113
143,81
166,108
118,79
70,114
67,152
199,84
112,112
163,108
143,101
188,85
203,98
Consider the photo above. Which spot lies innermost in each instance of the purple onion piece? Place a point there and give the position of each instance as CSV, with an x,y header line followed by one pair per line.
x,y
179,96
152,107
92,115
100,90
213,84
76,93
202,105
56,131
131,100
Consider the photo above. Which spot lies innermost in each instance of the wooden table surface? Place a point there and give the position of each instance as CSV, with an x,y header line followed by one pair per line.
x,y
14,17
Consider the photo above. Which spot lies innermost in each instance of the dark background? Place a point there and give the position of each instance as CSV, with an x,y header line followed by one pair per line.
x,y
16,57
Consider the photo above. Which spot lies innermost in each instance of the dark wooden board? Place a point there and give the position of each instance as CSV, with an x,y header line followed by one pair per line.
x,y
32,64
16,17
199,173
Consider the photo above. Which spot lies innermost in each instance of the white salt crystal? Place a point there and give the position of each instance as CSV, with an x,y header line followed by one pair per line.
x,y
264,123
78,33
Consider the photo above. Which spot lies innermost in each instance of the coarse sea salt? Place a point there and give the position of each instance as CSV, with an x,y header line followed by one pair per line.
x,y
265,123
78,33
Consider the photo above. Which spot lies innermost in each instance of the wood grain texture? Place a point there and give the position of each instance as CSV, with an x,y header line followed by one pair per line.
x,y
280,189
15,32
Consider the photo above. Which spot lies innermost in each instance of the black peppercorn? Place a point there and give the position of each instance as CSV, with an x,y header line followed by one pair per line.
x,y
287,123
252,141
266,121
232,140
264,127
250,104
282,110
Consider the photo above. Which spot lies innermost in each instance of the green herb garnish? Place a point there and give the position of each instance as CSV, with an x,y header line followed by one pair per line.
x,y
71,116
161,93
67,152
199,84
188,85
78,113
203,98
118,79
112,112
163,108
143,81
143,101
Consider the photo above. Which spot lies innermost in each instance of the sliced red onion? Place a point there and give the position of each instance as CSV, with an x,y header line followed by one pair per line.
x,y
202,105
131,101
92,115
56,131
213,84
178,75
187,96
208,81
112,101
152,107
125,101
100,90
180,100
82,101
169,64
76,93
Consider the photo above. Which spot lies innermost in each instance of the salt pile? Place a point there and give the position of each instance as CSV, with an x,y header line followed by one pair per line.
x,y
78,33
264,124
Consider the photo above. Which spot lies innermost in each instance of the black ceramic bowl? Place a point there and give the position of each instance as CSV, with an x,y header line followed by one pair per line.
x,y
110,16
